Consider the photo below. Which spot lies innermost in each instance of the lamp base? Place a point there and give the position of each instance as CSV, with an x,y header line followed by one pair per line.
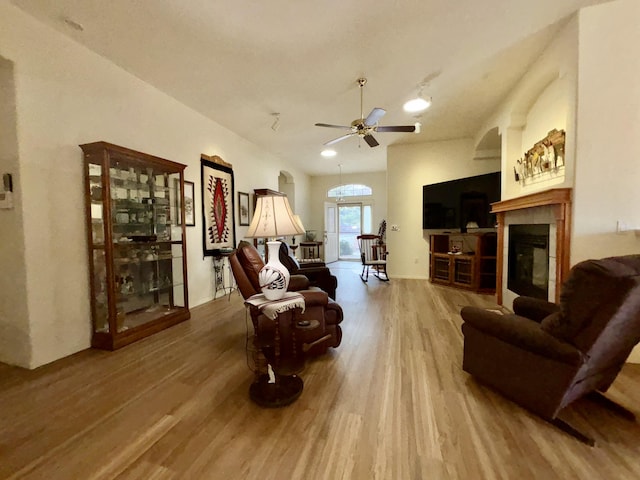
x,y
274,276
283,392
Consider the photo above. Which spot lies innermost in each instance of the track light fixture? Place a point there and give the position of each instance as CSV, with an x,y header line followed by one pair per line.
x,y
418,104
73,24
276,123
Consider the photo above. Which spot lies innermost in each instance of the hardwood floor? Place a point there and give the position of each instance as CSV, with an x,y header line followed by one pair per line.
x,y
392,402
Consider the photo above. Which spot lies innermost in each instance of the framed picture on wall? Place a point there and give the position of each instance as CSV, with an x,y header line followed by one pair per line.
x,y
217,205
189,205
244,215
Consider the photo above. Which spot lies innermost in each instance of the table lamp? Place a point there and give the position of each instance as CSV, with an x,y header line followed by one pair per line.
x,y
273,218
299,222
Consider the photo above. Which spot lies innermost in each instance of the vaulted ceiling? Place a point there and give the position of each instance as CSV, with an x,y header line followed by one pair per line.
x,y
239,62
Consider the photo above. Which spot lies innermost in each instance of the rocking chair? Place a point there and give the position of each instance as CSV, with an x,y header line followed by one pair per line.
x,y
373,254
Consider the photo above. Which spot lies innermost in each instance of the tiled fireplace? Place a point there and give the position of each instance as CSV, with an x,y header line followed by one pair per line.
x,y
538,227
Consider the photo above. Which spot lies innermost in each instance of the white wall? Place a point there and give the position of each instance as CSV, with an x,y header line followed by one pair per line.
x,y
544,99
319,185
409,167
608,144
608,147
67,95
536,106
14,320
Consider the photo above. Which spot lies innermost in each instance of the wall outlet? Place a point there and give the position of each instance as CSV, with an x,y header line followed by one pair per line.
x,y
395,228
621,226
6,200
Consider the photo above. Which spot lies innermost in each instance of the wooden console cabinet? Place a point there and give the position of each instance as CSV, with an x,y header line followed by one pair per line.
x,y
473,267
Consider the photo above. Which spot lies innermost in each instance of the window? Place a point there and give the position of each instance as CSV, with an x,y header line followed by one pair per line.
x,y
366,219
351,190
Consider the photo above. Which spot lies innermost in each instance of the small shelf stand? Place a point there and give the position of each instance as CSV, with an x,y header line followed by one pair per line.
x,y
464,260
220,264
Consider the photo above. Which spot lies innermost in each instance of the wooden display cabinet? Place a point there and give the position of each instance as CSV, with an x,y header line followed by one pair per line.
x,y
473,267
136,237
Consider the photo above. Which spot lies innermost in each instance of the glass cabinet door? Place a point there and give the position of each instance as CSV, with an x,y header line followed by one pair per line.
x,y
147,243
99,266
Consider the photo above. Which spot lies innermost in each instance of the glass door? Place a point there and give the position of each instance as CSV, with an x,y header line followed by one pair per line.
x,y
350,226
330,232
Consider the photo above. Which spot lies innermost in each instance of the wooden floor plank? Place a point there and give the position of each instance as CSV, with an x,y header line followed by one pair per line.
x,y
392,402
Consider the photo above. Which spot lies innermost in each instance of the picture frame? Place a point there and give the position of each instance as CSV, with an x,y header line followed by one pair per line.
x,y
218,225
189,204
244,214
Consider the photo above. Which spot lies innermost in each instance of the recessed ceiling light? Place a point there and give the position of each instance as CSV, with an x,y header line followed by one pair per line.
x,y
73,24
328,153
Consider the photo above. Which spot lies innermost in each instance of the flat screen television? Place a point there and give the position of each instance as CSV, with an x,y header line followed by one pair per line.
x,y
458,203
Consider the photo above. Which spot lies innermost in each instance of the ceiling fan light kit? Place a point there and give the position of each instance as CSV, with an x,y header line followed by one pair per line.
x,y
365,127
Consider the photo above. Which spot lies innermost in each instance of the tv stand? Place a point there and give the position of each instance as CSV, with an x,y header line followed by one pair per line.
x,y
464,260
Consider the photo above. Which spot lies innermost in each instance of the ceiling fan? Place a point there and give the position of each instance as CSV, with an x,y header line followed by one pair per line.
x,y
364,127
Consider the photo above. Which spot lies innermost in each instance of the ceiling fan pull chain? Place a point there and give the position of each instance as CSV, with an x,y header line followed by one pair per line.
x,y
361,82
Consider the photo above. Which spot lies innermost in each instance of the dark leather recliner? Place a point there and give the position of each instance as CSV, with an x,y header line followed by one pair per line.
x,y
545,356
246,263
319,275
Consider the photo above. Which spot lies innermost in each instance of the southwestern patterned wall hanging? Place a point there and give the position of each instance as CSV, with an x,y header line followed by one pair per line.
x,y
217,205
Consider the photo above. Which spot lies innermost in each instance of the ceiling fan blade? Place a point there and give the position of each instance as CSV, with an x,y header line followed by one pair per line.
x,y
371,141
375,116
339,139
397,128
332,126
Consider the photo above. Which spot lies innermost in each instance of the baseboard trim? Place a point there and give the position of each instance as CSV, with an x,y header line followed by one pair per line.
x,y
407,277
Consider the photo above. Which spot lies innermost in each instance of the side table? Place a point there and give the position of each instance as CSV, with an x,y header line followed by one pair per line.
x,y
281,385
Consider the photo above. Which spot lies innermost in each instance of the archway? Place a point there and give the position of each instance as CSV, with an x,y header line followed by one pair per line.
x,y
287,186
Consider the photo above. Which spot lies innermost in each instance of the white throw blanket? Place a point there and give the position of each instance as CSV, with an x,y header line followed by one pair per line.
x,y
271,308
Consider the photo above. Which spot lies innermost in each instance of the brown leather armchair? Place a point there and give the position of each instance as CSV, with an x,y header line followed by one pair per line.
x,y
319,275
545,356
246,263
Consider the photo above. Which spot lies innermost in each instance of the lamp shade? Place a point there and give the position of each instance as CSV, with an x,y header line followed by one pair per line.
x,y
299,221
273,218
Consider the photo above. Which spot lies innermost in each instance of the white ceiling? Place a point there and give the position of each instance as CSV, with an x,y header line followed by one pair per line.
x,y
239,61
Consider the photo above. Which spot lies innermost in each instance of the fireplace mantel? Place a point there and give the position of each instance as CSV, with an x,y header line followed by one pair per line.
x,y
560,200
